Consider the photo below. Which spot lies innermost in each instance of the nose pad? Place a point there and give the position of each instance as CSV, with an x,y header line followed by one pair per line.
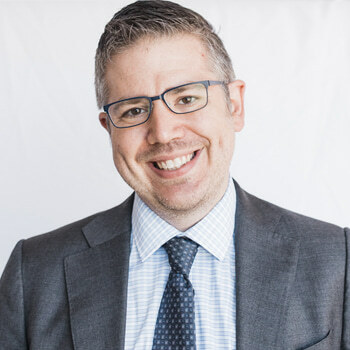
x,y
164,125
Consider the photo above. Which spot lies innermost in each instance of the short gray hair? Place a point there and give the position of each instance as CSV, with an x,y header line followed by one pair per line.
x,y
154,18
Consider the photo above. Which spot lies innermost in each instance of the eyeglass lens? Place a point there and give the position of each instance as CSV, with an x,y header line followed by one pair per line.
x,y
183,99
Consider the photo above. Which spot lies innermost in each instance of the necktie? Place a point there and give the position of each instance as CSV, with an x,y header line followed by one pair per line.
x,y
175,327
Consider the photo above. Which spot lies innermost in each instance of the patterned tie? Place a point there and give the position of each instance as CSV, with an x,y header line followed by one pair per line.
x,y
175,328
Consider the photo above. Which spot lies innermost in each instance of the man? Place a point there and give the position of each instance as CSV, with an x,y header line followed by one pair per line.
x,y
190,260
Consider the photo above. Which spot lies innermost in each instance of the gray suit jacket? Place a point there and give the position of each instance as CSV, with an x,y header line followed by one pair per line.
x,y
67,289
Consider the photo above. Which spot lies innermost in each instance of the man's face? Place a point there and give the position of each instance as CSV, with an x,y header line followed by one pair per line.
x,y
206,136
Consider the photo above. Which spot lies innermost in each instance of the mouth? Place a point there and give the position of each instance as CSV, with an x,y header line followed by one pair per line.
x,y
174,164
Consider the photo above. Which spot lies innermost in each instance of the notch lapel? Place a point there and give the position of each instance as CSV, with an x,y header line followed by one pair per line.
x,y
97,282
267,249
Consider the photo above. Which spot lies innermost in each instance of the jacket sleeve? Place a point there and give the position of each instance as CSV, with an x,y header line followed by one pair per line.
x,y
346,318
12,323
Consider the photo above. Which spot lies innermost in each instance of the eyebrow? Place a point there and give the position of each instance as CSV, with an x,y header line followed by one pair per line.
x,y
131,100
182,88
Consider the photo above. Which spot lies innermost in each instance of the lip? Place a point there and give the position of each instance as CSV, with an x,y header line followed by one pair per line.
x,y
170,174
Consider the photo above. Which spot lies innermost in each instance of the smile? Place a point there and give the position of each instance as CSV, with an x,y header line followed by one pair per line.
x,y
174,164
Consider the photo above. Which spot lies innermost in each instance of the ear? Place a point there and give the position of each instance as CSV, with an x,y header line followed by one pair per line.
x,y
103,117
236,92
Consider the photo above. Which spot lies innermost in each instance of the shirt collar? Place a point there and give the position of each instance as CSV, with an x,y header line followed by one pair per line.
x,y
213,233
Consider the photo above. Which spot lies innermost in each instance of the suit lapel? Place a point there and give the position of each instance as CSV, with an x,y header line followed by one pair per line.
x,y
266,257
97,281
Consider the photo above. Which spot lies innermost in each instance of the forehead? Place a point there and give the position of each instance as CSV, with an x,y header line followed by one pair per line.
x,y
152,65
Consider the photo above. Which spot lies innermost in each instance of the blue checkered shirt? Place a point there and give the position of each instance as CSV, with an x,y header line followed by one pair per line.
x,y
212,275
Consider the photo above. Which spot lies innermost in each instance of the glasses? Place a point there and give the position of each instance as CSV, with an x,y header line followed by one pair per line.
x,y
182,99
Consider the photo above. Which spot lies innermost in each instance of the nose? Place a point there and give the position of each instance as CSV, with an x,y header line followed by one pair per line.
x,y
164,126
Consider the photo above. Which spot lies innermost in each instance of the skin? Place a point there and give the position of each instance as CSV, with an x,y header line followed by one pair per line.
x,y
181,197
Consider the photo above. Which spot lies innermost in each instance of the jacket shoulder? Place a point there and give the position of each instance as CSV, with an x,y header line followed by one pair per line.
x,y
74,237
68,237
303,226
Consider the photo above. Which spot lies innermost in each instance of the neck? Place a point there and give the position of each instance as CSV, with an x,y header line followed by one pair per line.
x,y
183,219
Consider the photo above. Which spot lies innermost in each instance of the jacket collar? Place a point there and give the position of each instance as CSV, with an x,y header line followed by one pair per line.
x,y
110,223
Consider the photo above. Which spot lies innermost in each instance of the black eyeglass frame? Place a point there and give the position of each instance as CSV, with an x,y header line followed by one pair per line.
x,y
206,83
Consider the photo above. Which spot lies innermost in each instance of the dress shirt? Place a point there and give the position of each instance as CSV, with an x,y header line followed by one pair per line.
x,y
212,275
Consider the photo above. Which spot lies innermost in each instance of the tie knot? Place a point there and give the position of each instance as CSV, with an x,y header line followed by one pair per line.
x,y
181,253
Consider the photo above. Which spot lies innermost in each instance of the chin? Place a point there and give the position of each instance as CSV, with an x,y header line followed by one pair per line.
x,y
182,202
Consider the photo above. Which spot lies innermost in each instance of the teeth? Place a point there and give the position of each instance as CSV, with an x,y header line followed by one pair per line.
x,y
169,164
176,163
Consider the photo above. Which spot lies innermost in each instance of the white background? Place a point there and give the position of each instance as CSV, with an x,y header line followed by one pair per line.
x,y
56,164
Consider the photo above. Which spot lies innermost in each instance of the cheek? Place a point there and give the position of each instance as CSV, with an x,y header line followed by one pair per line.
x,y
217,127
120,150
226,144
126,144
226,138
223,131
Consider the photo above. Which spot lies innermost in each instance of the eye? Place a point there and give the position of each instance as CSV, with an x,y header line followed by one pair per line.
x,y
134,112
187,100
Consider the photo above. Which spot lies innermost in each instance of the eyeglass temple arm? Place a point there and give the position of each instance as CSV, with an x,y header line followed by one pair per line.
x,y
215,82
